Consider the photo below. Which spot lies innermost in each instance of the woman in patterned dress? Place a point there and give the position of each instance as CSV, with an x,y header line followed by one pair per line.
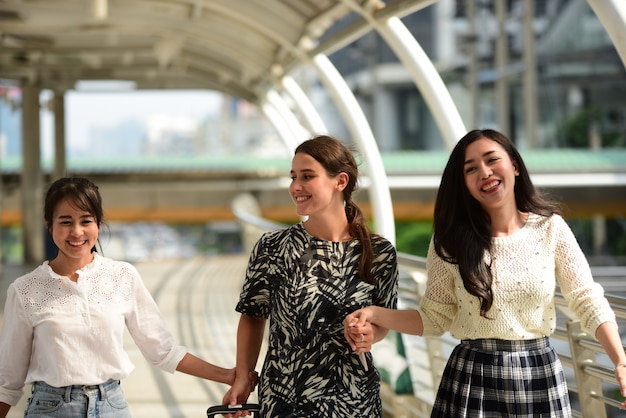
x,y
499,249
306,279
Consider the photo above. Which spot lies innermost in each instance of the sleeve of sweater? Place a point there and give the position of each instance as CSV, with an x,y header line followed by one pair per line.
x,y
584,296
439,305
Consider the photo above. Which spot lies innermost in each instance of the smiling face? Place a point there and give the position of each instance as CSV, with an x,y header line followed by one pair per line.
x,y
74,232
489,174
312,189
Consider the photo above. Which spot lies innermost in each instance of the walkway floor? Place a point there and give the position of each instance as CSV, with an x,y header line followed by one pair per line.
x,y
197,298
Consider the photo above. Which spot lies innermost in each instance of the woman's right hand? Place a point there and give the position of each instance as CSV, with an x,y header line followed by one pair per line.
x,y
239,392
357,328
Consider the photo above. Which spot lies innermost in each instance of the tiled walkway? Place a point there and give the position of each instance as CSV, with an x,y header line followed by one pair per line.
x,y
197,298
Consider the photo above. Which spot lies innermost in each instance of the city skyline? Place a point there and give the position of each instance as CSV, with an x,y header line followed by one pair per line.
x,y
116,107
89,112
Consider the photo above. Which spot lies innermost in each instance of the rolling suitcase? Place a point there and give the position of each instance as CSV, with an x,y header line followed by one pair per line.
x,y
227,409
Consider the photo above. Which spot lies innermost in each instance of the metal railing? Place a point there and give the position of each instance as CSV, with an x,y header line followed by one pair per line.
x,y
589,373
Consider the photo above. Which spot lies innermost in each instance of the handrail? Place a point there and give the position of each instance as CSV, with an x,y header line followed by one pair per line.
x,y
588,371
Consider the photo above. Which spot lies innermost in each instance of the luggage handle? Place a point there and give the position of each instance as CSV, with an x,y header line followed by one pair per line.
x,y
230,409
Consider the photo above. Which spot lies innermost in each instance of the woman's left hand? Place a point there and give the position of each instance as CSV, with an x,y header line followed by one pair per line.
x,y
253,378
360,337
620,376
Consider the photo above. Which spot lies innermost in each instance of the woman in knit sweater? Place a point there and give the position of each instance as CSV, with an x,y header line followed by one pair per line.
x,y
498,250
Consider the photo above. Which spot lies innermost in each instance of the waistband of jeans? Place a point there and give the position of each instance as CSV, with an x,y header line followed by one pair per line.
x,y
64,390
494,344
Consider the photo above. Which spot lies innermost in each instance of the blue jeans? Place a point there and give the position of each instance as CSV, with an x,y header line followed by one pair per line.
x,y
97,401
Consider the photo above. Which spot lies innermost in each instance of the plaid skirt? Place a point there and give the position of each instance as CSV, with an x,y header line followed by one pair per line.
x,y
498,378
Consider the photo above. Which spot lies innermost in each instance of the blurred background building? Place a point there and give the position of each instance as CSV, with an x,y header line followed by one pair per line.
x,y
546,65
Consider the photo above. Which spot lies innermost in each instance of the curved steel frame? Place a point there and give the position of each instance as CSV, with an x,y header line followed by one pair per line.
x,y
427,81
612,14
284,102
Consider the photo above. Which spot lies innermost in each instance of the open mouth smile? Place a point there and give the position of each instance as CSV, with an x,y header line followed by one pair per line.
x,y
490,186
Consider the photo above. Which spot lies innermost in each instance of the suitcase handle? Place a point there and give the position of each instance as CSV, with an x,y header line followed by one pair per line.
x,y
230,409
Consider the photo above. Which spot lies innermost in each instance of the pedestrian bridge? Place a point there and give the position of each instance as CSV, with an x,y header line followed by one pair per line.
x,y
256,50
200,189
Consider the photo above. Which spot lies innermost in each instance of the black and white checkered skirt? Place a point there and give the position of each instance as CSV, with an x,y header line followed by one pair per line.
x,y
498,378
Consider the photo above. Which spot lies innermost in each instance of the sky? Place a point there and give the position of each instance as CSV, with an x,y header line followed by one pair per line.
x,y
86,109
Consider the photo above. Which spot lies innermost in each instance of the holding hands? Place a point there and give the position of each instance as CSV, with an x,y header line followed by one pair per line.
x,y
357,328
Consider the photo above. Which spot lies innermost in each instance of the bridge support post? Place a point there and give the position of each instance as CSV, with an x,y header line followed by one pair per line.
x,y
32,178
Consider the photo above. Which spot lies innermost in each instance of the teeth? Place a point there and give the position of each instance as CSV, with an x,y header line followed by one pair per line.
x,y
490,186
77,242
301,198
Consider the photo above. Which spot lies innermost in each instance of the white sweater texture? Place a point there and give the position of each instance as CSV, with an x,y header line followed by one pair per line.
x,y
527,268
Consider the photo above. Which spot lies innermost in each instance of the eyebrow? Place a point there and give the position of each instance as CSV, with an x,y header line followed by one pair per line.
x,y
484,155
88,215
305,170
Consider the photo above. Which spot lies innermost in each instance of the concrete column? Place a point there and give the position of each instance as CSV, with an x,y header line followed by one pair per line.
x,y
502,63
59,169
32,178
385,108
530,77
599,234
599,220
472,67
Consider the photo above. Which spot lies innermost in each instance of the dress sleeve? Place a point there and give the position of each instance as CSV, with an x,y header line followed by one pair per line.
x,y
254,299
148,329
385,272
16,340
584,296
439,304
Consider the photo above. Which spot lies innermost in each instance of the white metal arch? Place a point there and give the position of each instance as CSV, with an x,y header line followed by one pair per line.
x,y
612,14
422,71
276,119
298,132
309,114
359,127
426,78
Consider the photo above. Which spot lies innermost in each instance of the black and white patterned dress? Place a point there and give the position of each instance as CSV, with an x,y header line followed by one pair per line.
x,y
306,286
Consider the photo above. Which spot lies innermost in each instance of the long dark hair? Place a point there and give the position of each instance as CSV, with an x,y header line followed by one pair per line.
x,y
81,192
337,158
462,229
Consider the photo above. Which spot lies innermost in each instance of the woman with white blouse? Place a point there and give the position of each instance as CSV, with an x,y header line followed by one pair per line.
x,y
64,322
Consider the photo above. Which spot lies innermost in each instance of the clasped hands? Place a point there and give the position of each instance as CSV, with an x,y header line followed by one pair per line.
x,y
358,331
